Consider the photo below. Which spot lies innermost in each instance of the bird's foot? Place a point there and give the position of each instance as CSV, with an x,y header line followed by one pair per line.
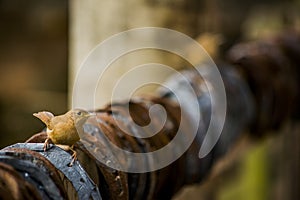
x,y
69,148
74,158
46,144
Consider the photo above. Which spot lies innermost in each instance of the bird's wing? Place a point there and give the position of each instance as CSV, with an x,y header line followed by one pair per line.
x,y
45,117
64,131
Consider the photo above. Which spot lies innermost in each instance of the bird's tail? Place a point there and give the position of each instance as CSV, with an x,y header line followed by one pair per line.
x,y
45,117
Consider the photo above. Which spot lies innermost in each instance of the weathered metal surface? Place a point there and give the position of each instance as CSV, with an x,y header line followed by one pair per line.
x,y
33,171
84,188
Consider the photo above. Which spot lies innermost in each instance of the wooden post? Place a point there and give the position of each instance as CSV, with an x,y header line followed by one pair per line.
x,y
93,21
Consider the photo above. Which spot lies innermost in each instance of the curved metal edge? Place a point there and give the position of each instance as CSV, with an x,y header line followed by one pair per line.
x,y
82,183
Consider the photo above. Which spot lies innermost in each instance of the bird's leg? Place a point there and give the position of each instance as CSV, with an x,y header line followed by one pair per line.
x,y
46,144
74,156
69,148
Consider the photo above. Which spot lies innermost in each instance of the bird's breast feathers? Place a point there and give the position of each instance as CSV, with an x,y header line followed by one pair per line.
x,y
63,133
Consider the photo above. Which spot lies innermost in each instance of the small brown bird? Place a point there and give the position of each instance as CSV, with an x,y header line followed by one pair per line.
x,y
63,130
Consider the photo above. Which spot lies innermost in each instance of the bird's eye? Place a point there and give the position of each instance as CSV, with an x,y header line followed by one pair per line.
x,y
79,113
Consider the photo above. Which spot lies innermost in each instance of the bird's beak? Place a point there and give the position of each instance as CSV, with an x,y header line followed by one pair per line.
x,y
91,114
